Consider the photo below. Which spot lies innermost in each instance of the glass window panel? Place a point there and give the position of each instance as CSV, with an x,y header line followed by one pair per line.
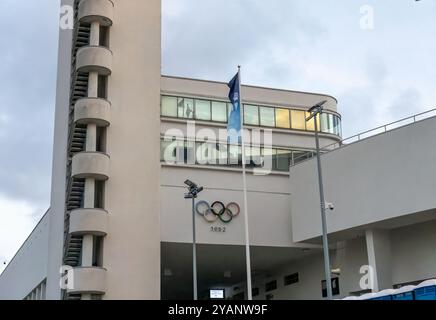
x,y
282,118
168,151
169,106
202,110
211,153
318,122
205,154
331,119
185,108
221,153
186,152
299,156
269,158
337,125
310,125
219,111
235,155
298,118
267,117
253,156
283,159
325,123
251,115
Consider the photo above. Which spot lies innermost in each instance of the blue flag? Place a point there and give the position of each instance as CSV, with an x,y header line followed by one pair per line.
x,y
234,124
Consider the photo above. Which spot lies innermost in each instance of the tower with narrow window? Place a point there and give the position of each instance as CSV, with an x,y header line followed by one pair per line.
x,y
107,126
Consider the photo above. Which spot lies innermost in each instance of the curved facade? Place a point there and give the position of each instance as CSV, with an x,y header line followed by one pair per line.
x,y
89,280
96,10
89,221
94,59
90,165
92,110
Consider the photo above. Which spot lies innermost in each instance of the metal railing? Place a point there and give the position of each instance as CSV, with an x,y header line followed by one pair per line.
x,y
373,132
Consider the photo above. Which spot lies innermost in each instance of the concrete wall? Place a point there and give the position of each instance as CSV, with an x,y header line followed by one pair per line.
x,y
413,253
268,198
383,177
132,246
349,258
29,266
59,162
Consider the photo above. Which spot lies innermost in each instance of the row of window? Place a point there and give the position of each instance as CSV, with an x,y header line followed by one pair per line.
x,y
220,154
39,293
218,111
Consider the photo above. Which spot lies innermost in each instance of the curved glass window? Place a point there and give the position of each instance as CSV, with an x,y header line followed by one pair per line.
x,y
223,154
267,117
251,115
169,107
219,111
202,110
298,118
282,118
185,108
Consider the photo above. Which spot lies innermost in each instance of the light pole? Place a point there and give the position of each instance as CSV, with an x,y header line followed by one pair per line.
x,y
315,112
193,191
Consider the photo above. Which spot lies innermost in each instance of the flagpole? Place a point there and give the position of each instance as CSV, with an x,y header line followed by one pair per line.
x,y
244,178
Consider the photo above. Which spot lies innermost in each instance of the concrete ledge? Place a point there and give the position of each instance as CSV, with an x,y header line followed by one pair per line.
x,y
101,11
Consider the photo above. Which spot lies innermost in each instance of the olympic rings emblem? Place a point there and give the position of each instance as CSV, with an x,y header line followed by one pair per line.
x,y
211,213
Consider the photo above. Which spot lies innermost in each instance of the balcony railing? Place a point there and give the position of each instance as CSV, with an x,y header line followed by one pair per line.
x,y
374,132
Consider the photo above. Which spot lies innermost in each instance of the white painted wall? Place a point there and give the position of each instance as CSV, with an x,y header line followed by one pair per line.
x,y
383,177
349,258
29,266
269,216
59,162
413,253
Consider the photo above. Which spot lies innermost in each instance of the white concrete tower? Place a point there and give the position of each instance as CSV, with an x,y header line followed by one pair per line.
x,y
111,217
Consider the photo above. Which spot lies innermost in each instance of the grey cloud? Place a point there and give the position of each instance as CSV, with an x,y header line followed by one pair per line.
x,y
209,38
27,92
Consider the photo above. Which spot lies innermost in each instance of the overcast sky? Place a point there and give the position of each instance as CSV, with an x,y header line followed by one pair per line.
x,y
378,75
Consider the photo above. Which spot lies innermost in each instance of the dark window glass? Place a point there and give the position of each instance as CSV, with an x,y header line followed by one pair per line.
x,y
104,36
97,252
283,160
270,286
239,296
102,87
335,287
99,194
255,292
291,279
101,139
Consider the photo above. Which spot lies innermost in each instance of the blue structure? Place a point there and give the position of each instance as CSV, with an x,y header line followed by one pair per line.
x,y
426,291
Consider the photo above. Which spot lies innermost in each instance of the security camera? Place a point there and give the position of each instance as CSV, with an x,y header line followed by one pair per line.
x,y
330,206
190,184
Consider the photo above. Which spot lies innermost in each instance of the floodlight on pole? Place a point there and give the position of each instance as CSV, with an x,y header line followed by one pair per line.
x,y
315,113
193,191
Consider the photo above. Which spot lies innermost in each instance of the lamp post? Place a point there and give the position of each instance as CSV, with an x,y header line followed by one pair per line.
x,y
193,191
315,113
